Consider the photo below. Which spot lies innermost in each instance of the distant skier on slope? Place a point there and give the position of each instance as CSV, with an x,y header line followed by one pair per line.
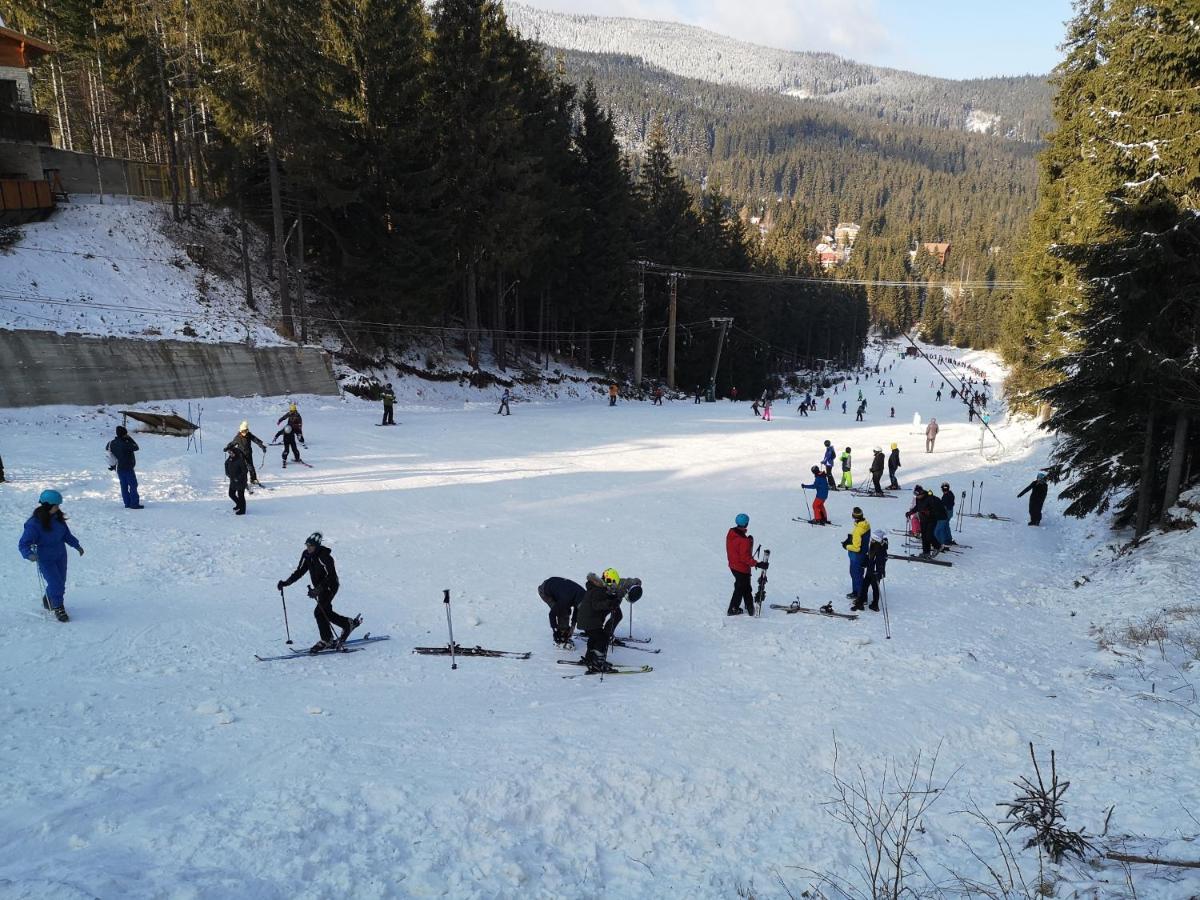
x,y
317,561
874,570
295,420
289,443
821,485
389,405
242,441
563,596
1037,496
599,613
739,552
44,541
504,398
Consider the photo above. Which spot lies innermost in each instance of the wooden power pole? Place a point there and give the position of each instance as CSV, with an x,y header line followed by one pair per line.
x,y
671,330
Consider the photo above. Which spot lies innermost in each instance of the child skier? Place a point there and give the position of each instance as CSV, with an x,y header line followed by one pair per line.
x,y
317,561
293,418
739,552
894,464
599,614
289,443
821,486
847,477
874,569
44,541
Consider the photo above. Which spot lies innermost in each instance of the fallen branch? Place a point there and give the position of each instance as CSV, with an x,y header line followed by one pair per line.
x,y
1129,858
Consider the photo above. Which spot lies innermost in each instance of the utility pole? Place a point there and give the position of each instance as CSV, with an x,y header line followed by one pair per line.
x,y
300,277
641,333
671,330
712,381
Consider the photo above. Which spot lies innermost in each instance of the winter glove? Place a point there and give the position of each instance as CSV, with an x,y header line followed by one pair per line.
x,y
32,557
112,468
279,585
635,594
764,565
80,549
312,592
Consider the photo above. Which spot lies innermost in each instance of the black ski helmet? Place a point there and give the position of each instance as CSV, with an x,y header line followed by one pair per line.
x,y
816,470
314,539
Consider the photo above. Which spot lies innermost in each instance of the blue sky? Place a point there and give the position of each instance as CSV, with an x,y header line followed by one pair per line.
x,y
968,39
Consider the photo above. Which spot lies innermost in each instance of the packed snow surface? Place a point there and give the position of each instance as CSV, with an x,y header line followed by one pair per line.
x,y
146,752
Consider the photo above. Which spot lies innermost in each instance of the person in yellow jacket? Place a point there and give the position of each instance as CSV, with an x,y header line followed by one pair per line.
x,y
847,478
856,543
613,391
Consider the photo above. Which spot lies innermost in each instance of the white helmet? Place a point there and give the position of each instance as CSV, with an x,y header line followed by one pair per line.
x,y
245,426
879,535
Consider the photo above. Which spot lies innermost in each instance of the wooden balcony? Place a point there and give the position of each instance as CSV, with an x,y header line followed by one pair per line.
x,y
24,200
24,127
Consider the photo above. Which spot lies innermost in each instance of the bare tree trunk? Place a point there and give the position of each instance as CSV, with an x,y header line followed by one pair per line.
x,y
1146,485
1175,470
245,244
498,322
280,258
543,346
471,301
168,123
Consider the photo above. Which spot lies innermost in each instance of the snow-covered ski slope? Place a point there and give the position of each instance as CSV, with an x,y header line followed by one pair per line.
x,y
146,753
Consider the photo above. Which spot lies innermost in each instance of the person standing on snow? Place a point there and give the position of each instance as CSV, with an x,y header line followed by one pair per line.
x,y
855,545
599,613
317,562
928,510
236,470
942,530
289,443
613,391
504,398
821,485
827,462
1038,487
124,449
242,441
389,405
766,416
893,465
877,463
874,570
931,433
44,541
563,596
847,477
739,552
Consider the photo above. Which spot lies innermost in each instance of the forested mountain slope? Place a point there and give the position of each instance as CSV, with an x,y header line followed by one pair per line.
x,y
1017,108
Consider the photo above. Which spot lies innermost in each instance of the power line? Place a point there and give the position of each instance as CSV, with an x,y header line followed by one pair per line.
x,y
696,273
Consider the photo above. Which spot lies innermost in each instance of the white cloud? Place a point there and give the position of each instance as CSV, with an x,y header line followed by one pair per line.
x,y
850,28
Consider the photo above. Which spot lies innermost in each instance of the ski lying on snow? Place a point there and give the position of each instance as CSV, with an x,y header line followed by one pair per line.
x,y
471,651
991,516
304,654
920,559
620,642
796,608
872,494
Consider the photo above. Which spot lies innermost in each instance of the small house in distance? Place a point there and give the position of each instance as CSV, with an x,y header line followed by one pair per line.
x,y
25,189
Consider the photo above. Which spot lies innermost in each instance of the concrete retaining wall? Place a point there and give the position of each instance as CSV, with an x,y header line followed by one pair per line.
x,y
41,368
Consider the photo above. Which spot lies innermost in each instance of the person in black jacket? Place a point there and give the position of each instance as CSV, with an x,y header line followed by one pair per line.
x,y
893,465
1037,496
600,612
124,450
563,596
317,561
877,471
874,570
236,470
242,440
929,510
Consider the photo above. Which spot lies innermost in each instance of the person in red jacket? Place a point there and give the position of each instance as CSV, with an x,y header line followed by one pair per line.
x,y
739,548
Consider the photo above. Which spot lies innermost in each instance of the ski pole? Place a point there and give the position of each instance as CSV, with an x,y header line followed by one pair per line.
x,y
887,621
42,586
807,508
286,629
450,627
980,507
971,505
960,510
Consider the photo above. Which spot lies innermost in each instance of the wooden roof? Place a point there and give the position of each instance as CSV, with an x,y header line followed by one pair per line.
x,y
21,50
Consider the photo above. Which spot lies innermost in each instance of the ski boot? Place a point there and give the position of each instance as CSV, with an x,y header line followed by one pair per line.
x,y
60,613
321,645
354,623
828,607
734,612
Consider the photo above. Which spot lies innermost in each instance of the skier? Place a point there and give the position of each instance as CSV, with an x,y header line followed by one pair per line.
x,y
295,421
843,407
658,395
827,404
942,531
236,470
317,561
733,394
938,396
874,570
855,545
893,465
847,477
928,510
931,433
754,407
766,416
389,402
877,463
862,407
563,597
123,450
504,398
821,485
599,613
1037,496
44,541
289,443
242,441
739,551
827,461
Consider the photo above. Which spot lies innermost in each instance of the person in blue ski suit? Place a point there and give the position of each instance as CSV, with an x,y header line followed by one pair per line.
x,y
827,462
45,541
821,486
124,450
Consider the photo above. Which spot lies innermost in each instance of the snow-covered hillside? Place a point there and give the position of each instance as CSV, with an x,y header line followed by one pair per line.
x,y
146,753
122,268
697,53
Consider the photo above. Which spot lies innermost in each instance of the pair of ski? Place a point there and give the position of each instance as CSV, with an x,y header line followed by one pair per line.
x,y
921,559
351,646
826,611
615,670
297,462
803,520
873,494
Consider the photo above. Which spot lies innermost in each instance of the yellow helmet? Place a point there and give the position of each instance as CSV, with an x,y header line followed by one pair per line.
x,y
291,407
895,446
611,576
